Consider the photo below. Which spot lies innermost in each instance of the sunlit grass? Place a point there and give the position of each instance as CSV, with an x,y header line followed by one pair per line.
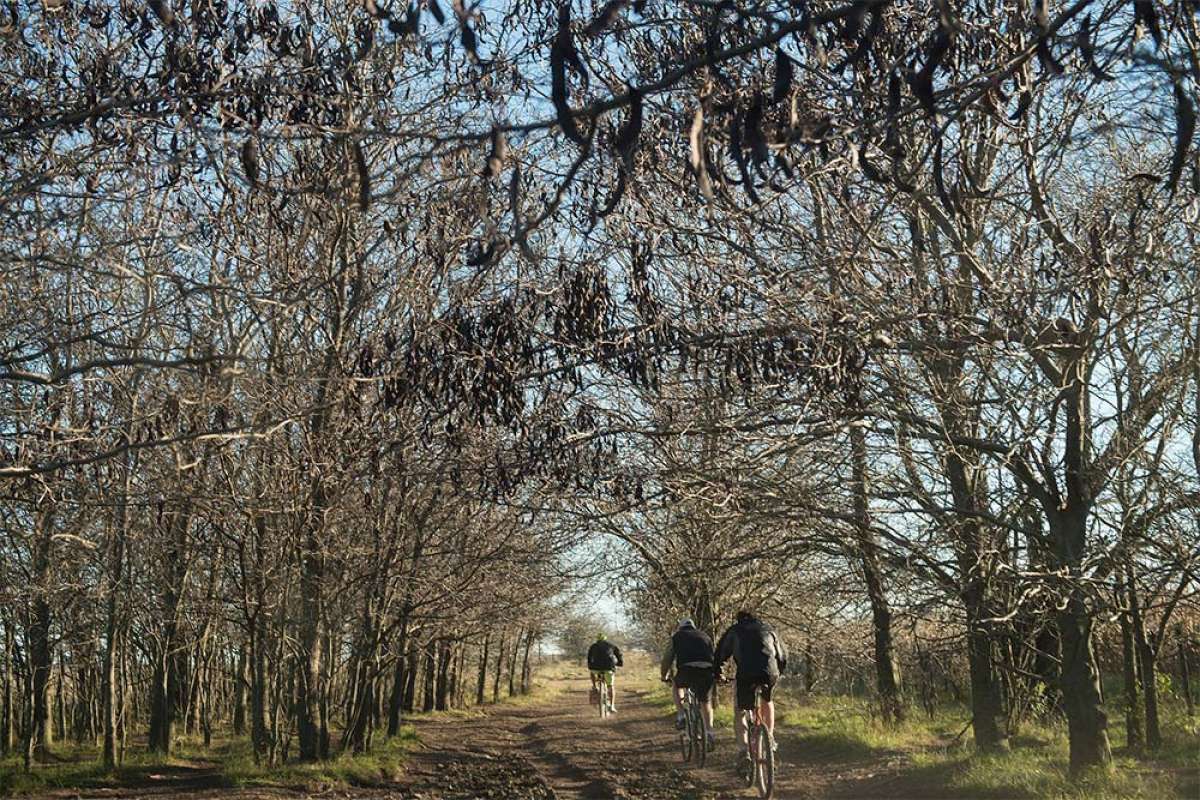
x,y
79,766
379,766
936,752
76,766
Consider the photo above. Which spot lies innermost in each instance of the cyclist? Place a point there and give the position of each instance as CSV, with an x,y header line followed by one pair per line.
x,y
603,657
690,652
761,657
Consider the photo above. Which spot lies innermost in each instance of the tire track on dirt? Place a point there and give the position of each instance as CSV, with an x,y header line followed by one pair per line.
x,y
578,756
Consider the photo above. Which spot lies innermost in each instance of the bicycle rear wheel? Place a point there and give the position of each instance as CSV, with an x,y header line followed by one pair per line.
x,y
700,735
751,776
765,763
603,699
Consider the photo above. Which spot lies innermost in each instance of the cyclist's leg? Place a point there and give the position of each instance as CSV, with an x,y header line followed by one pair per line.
x,y
701,683
703,689
766,708
744,691
607,677
678,691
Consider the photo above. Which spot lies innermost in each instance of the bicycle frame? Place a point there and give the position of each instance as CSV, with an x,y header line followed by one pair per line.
x,y
760,748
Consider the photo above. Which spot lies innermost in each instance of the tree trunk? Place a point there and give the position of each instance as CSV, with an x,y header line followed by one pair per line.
x,y
159,738
410,679
6,713
111,645
1046,664
499,669
40,665
361,691
308,700
399,680
1147,661
810,668
481,684
60,697
1133,709
430,670
887,678
1185,674
526,686
1087,724
986,710
240,675
442,683
455,675
512,665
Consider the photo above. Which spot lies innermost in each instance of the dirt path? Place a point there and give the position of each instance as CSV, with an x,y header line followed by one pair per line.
x,y
556,748
560,749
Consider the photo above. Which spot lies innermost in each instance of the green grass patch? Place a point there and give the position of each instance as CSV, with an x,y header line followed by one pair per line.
x,y
80,767
375,768
934,760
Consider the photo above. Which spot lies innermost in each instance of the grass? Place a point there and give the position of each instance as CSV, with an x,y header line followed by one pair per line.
x,y
377,767
80,767
933,760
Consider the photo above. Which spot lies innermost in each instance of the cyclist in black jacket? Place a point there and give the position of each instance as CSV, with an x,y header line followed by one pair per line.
x,y
690,652
761,657
603,657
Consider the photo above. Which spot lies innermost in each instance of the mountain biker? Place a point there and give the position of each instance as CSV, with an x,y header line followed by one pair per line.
x,y
603,657
761,657
690,652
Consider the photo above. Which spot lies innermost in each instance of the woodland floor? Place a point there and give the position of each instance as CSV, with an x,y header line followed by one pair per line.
x,y
554,746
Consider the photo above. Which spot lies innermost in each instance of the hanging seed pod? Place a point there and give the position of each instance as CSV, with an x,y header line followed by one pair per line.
x,y
626,140
696,156
607,16
497,155
922,81
939,179
784,74
756,140
162,9
1083,41
1145,18
250,161
1046,58
363,177
562,52
1185,129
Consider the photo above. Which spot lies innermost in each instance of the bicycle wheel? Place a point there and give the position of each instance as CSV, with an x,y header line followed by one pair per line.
x,y
701,737
765,763
689,734
603,699
751,775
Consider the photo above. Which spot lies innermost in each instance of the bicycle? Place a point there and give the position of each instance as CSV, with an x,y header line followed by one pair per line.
x,y
605,699
693,740
761,771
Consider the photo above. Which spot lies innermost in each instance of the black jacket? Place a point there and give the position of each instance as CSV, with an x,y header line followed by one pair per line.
x,y
756,648
603,656
692,646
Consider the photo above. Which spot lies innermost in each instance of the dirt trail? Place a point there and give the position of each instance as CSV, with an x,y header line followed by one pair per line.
x,y
557,748
560,749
